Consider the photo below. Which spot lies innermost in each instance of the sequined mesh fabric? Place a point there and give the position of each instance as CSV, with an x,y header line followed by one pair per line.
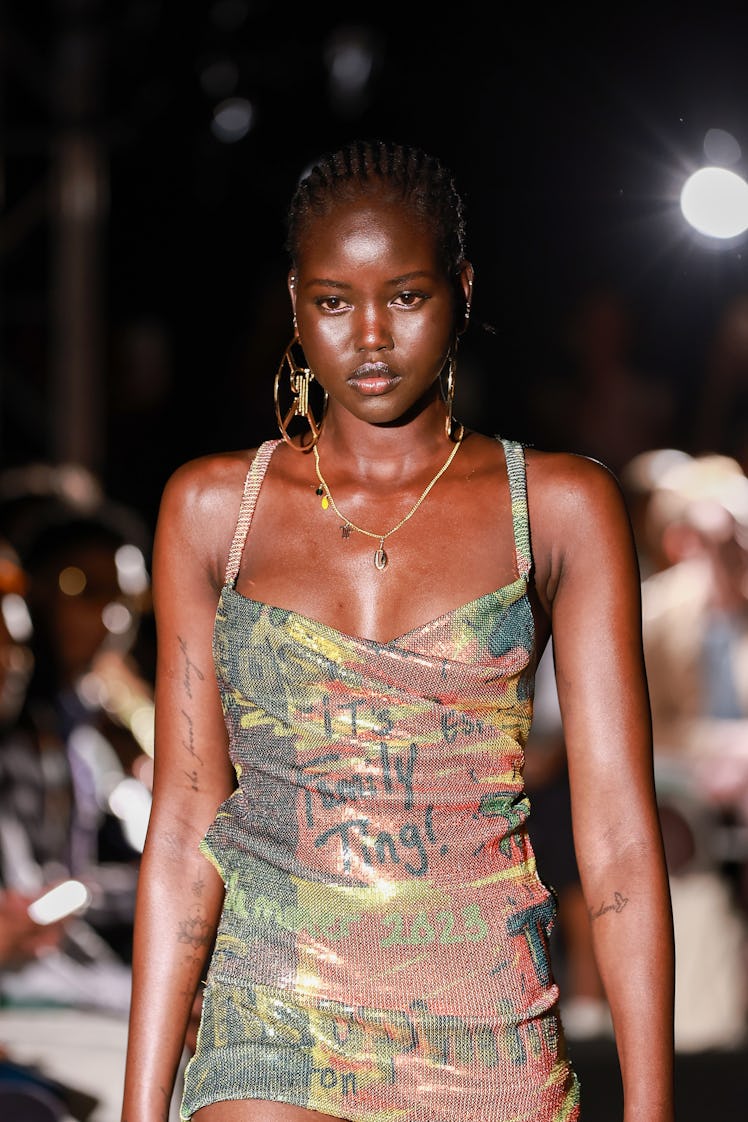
x,y
383,948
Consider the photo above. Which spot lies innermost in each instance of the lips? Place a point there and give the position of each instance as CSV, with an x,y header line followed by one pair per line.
x,y
373,378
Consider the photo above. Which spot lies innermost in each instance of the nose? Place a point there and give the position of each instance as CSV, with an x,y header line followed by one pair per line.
x,y
373,332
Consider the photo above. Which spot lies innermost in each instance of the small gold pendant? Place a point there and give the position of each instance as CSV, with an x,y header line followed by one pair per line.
x,y
380,560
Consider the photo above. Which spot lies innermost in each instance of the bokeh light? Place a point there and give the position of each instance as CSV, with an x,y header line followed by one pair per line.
x,y
232,119
714,201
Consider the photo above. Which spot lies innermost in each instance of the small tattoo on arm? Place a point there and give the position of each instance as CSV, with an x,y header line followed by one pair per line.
x,y
195,931
189,742
192,777
190,668
619,903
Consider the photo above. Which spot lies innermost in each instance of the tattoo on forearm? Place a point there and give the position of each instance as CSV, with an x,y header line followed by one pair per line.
x,y
195,931
190,668
189,741
198,886
619,903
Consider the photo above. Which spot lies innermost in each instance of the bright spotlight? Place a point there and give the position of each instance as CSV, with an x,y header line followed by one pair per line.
x,y
715,202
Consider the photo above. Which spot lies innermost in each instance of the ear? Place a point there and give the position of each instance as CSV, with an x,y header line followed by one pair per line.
x,y
291,282
465,283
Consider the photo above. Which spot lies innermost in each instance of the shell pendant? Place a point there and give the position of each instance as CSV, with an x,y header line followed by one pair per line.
x,y
380,559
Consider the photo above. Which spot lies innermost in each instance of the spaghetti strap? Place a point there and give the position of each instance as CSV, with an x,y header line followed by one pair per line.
x,y
516,470
252,484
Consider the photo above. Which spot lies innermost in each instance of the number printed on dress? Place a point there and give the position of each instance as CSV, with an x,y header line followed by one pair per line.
x,y
444,928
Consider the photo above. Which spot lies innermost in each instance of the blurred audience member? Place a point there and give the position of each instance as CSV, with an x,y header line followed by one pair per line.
x,y
695,630
74,752
16,660
25,1094
696,611
640,478
21,938
23,941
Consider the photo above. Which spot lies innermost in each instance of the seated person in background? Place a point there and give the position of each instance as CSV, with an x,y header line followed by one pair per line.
x,y
58,766
695,632
695,621
21,939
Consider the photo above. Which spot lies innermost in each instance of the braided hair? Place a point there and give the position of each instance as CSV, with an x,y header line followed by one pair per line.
x,y
395,172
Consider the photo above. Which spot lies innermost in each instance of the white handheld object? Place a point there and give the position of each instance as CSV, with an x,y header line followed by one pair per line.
x,y
63,900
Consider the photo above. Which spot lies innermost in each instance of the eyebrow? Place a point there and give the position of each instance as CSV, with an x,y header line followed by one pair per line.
x,y
404,279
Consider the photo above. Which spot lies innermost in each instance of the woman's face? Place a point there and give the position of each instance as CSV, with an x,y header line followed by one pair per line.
x,y
375,308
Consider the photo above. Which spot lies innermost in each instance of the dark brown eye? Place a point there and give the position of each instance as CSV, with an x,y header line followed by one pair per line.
x,y
410,299
330,303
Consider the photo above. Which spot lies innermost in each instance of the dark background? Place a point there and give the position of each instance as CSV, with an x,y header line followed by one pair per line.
x,y
142,320
570,135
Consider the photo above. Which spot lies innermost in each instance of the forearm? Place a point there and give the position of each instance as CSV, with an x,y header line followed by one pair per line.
x,y
628,900
179,898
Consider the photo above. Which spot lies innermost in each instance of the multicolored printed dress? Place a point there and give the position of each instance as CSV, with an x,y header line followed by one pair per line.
x,y
382,954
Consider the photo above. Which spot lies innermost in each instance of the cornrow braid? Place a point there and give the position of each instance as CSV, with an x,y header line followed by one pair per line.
x,y
396,172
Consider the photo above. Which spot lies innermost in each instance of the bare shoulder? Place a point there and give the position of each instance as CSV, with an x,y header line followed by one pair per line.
x,y
579,522
563,485
205,485
200,505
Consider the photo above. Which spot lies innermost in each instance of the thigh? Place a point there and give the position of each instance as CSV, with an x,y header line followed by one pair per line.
x,y
257,1110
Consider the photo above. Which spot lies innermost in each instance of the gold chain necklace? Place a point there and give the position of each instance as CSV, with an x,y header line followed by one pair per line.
x,y
380,556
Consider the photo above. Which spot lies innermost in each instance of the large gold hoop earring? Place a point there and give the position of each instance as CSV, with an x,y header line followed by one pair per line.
x,y
299,379
453,434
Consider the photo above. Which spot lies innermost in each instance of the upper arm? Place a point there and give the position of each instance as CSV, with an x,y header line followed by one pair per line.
x,y
192,772
595,610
